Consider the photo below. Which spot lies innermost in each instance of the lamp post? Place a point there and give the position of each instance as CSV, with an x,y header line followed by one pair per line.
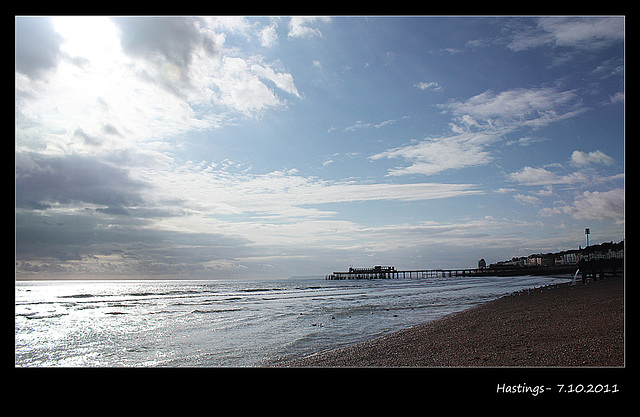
x,y
587,232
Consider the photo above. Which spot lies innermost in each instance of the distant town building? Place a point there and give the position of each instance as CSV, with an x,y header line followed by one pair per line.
x,y
482,264
537,260
607,250
571,258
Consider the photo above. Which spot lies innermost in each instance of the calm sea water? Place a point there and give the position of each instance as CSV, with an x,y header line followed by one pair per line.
x,y
228,323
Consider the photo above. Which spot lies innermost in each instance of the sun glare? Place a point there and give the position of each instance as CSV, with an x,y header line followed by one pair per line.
x,y
88,37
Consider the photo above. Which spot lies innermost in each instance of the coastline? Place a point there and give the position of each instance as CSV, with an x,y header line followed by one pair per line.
x,y
555,326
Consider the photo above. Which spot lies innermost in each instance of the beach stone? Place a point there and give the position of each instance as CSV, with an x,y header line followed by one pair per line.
x,y
565,326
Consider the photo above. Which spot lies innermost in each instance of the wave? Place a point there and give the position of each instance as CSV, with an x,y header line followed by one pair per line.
x,y
47,316
137,294
143,294
78,296
225,310
260,289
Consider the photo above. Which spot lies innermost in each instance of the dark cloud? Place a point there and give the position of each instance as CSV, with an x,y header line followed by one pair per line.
x,y
109,129
37,45
86,138
168,43
43,180
174,38
77,244
116,238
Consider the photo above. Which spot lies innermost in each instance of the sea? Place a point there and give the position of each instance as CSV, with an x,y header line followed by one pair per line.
x,y
229,323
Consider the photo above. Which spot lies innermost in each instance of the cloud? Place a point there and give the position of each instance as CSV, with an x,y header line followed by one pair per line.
x,y
504,190
287,193
366,125
519,108
586,175
534,176
268,36
487,232
240,86
526,141
599,205
37,47
433,86
43,181
617,98
168,38
541,176
95,243
580,158
585,33
527,199
481,121
283,81
87,215
432,156
142,79
596,205
299,26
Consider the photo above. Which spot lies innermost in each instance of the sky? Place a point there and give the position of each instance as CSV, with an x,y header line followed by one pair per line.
x,y
268,147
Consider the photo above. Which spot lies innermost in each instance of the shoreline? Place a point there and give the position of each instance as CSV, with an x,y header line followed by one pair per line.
x,y
554,326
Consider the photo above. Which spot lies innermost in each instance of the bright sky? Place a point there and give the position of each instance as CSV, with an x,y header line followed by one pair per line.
x,y
230,147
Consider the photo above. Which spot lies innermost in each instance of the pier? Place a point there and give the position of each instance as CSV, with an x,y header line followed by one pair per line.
x,y
598,269
390,272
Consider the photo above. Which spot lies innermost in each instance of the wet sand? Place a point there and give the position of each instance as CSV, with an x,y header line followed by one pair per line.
x,y
556,326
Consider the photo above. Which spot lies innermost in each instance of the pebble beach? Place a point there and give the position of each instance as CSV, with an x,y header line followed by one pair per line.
x,y
557,326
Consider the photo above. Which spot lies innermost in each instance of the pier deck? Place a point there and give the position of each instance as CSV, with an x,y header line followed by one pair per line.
x,y
389,272
392,273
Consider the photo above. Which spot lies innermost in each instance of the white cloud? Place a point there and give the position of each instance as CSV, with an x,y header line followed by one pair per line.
x,y
599,205
526,199
109,91
596,205
120,87
232,24
283,81
541,176
586,33
481,121
504,190
546,191
534,176
366,125
280,207
433,86
238,84
526,141
268,36
434,155
580,158
327,162
489,231
299,26
519,108
283,191
617,98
